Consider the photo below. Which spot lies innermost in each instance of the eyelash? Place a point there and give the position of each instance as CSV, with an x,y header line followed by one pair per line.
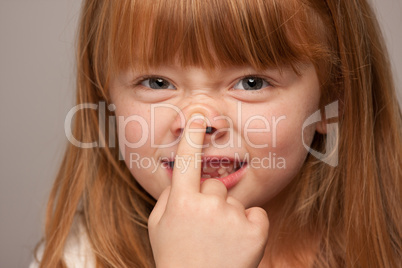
x,y
250,76
141,80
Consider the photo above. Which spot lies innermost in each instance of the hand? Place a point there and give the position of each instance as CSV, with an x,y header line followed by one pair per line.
x,y
195,225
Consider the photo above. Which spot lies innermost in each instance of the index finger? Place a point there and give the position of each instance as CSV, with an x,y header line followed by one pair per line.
x,y
188,160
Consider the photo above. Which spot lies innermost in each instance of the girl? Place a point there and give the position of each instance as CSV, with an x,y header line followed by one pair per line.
x,y
215,104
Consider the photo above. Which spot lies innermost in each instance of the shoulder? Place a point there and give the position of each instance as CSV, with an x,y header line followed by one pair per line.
x,y
77,250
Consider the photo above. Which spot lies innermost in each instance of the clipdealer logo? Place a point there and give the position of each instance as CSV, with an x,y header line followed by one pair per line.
x,y
330,156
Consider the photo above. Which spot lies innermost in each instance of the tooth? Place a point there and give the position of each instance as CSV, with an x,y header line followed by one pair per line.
x,y
221,170
224,174
206,176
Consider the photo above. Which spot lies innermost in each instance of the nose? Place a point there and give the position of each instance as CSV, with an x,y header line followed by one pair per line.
x,y
217,123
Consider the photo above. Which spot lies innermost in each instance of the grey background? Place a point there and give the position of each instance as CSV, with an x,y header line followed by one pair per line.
x,y
37,91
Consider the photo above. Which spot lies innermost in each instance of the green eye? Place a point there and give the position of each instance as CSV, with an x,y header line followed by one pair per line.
x,y
252,83
157,83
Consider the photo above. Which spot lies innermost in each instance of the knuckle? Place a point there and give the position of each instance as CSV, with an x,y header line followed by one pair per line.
x,y
234,202
215,202
184,156
181,203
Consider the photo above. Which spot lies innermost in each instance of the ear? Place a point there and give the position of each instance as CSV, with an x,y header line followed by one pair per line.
x,y
321,126
330,114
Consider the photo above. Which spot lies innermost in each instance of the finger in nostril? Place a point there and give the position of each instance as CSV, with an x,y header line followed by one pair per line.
x,y
210,130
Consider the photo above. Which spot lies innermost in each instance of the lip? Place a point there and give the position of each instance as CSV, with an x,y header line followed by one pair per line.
x,y
229,181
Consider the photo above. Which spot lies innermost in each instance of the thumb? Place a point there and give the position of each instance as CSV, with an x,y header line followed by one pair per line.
x,y
259,218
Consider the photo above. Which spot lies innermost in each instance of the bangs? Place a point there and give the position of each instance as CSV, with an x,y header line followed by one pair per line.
x,y
212,33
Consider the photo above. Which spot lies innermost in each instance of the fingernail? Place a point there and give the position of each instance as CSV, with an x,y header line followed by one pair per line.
x,y
198,119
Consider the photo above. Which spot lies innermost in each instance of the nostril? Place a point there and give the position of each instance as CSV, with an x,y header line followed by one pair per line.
x,y
210,130
180,131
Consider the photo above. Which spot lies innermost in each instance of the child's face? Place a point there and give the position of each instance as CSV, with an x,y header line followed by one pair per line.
x,y
256,117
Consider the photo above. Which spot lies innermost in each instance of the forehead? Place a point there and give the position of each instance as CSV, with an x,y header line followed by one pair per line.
x,y
211,34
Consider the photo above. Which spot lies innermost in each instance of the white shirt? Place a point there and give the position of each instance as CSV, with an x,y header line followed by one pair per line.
x,y
77,250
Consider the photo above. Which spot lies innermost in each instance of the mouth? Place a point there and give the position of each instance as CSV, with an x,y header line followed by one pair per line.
x,y
225,169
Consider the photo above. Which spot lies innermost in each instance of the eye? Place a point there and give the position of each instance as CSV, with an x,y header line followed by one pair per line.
x,y
157,83
252,83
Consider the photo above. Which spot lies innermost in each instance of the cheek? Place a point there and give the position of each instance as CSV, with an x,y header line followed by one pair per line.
x,y
279,162
289,143
133,128
143,125
290,135
281,133
133,132
265,131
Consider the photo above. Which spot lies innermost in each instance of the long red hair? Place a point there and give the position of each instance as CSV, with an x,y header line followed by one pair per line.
x,y
354,208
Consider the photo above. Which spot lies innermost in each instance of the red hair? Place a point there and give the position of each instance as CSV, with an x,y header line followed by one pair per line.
x,y
354,209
